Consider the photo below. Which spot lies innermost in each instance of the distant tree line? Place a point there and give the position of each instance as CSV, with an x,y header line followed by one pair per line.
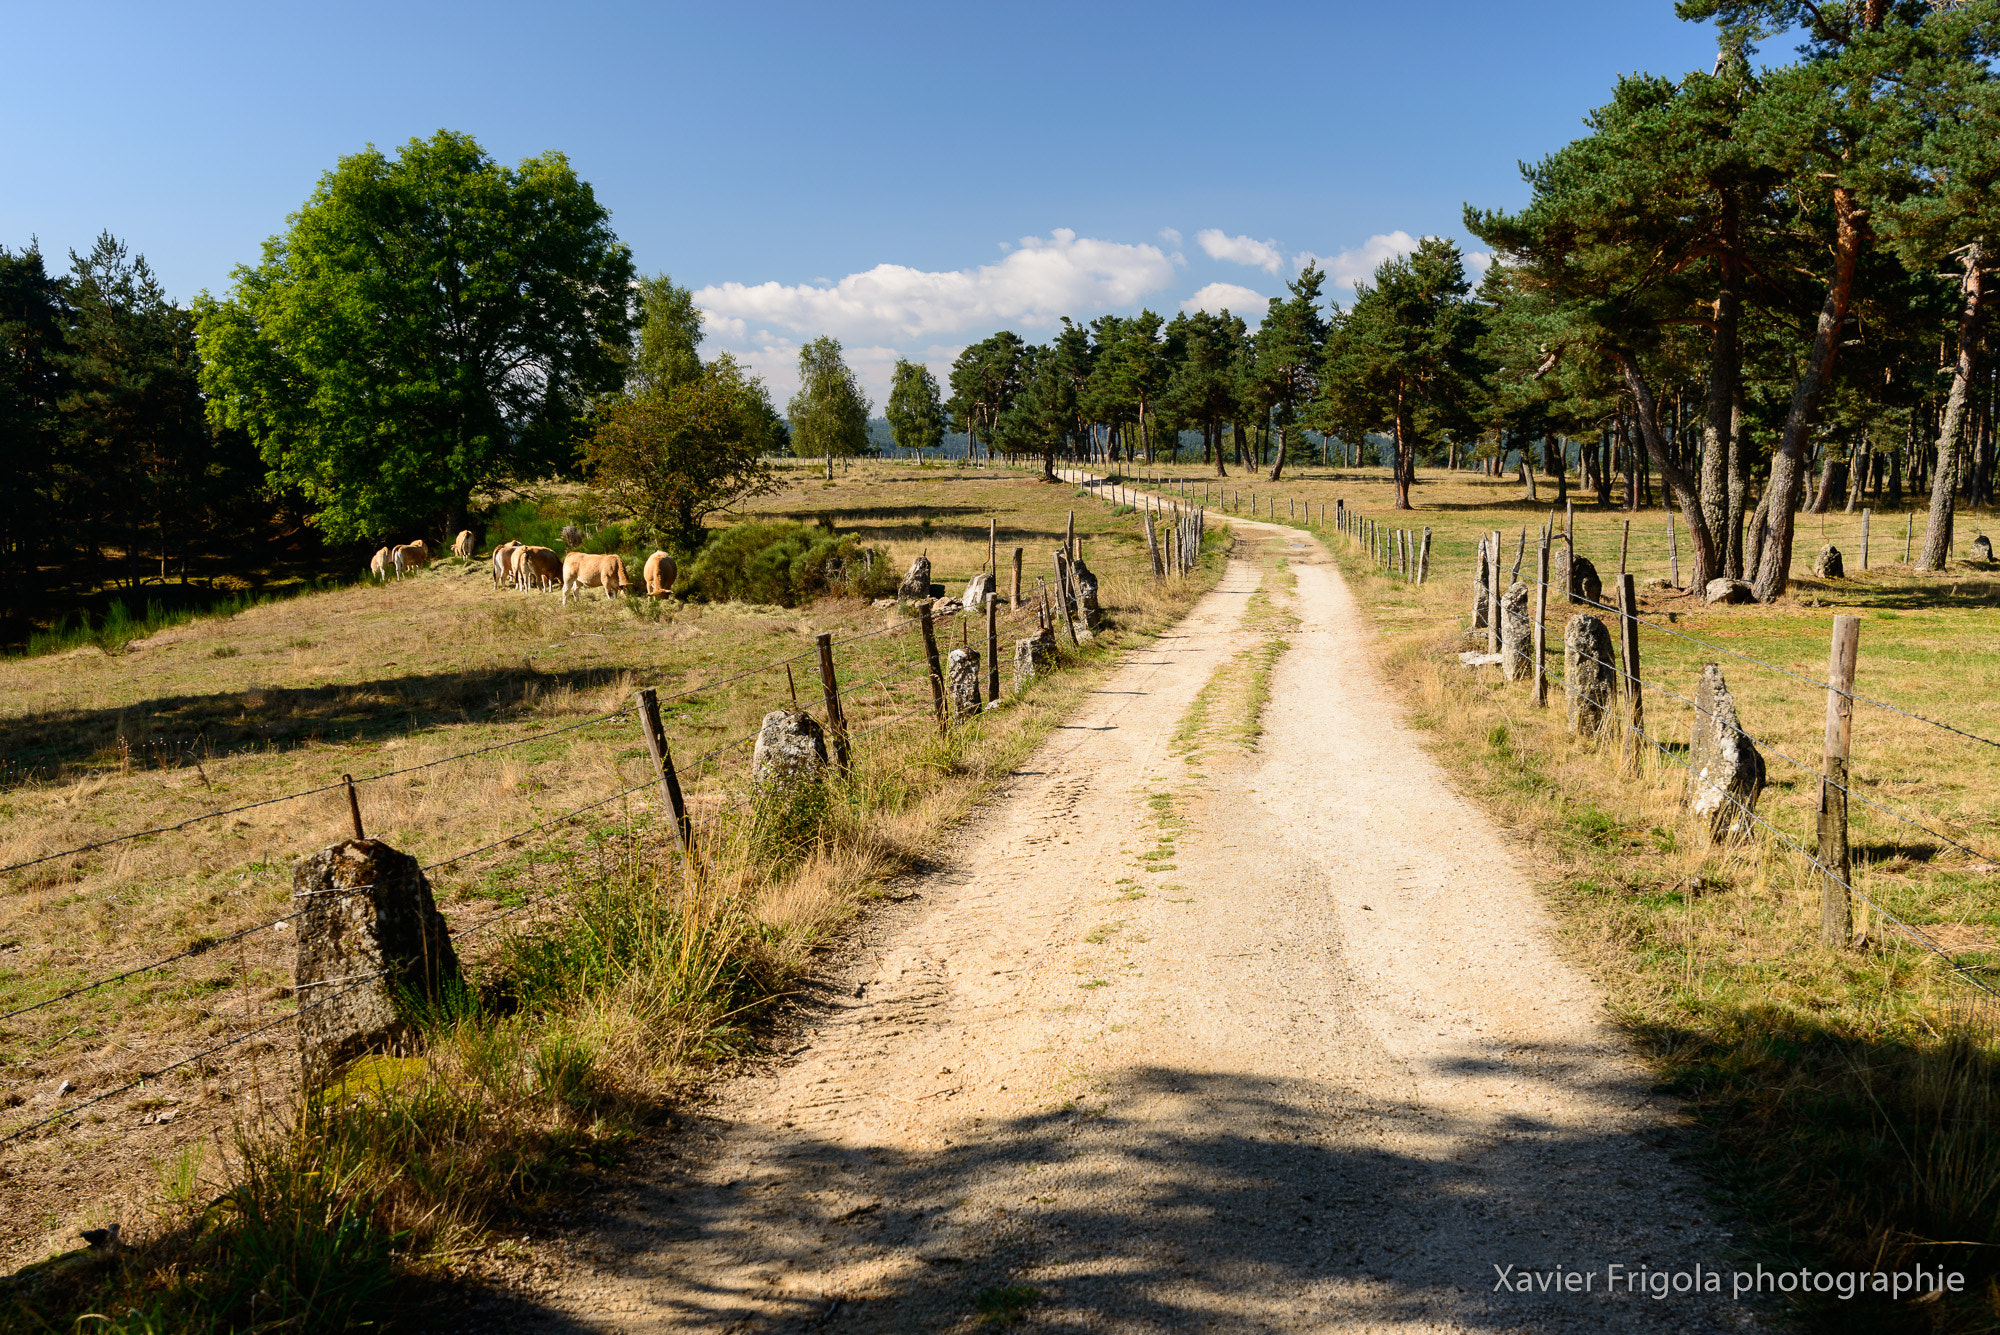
x,y
1743,293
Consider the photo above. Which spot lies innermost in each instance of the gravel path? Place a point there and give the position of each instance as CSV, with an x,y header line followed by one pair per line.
x,y
1277,1042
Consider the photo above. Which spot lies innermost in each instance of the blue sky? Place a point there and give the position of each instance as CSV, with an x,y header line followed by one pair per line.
x,y
908,178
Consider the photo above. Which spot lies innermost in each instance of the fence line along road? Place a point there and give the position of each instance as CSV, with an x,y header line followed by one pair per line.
x,y
920,667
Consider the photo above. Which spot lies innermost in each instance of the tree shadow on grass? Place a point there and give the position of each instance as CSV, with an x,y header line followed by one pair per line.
x,y
182,729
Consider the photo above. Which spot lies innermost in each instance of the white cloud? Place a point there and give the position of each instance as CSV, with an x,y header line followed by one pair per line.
x,y
1032,286
1479,261
1237,300
1357,264
1241,249
1171,235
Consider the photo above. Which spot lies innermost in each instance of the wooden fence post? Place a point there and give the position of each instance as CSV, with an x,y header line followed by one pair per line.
x,y
353,807
663,765
1624,546
1062,596
1909,526
992,647
1542,622
992,553
1069,539
931,657
1017,578
1628,628
1673,553
836,720
1424,557
1864,537
1836,912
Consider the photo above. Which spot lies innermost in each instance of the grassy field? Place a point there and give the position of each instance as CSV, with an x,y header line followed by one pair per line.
x,y
1852,1095
400,681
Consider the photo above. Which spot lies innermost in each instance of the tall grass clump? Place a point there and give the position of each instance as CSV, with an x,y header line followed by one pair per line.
x,y
784,565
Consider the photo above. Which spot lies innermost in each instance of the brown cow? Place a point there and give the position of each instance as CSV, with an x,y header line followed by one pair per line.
x,y
503,565
461,546
587,570
660,574
379,566
540,568
408,557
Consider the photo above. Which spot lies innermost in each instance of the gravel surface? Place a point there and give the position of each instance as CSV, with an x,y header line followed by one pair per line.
x,y
1313,1064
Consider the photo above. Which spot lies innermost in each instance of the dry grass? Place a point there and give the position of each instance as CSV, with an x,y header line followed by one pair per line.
x,y
1852,1094
375,678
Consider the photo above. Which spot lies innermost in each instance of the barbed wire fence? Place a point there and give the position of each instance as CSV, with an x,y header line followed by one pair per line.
x,y
708,773
1538,665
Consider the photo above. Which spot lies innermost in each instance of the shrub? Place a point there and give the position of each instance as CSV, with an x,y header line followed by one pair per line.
x,y
785,565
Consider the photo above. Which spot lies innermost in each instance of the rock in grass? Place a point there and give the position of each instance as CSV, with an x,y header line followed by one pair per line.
x,y
1086,592
1482,588
1589,678
961,681
917,583
372,951
1725,770
1517,634
1828,565
1982,550
791,749
1579,577
977,590
1033,657
1726,590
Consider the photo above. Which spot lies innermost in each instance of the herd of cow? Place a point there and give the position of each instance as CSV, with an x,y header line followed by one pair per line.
x,y
520,566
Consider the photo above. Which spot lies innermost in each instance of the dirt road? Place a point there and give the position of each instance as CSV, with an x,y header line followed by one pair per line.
x,y
1204,1031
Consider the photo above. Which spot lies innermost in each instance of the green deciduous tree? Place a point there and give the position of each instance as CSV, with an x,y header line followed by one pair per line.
x,y
669,335
428,324
829,414
672,457
915,412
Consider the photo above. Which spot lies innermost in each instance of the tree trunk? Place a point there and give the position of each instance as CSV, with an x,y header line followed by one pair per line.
x,y
1831,474
1725,373
1859,466
1739,481
1283,438
1679,484
1937,527
1406,453
1788,463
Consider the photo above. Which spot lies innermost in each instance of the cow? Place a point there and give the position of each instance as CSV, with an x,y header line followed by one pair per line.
x,y
503,568
461,546
540,568
409,556
379,566
660,574
587,570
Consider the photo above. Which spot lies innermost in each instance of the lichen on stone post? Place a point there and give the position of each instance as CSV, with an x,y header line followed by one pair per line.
x,y
372,951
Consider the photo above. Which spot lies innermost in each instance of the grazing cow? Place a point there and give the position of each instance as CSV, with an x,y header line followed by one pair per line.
x,y
660,575
540,568
587,570
461,546
503,568
379,567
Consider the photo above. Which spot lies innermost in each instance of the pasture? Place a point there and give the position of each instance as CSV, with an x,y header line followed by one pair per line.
x,y
389,679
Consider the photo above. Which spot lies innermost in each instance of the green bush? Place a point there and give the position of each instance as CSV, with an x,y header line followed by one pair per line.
x,y
784,565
